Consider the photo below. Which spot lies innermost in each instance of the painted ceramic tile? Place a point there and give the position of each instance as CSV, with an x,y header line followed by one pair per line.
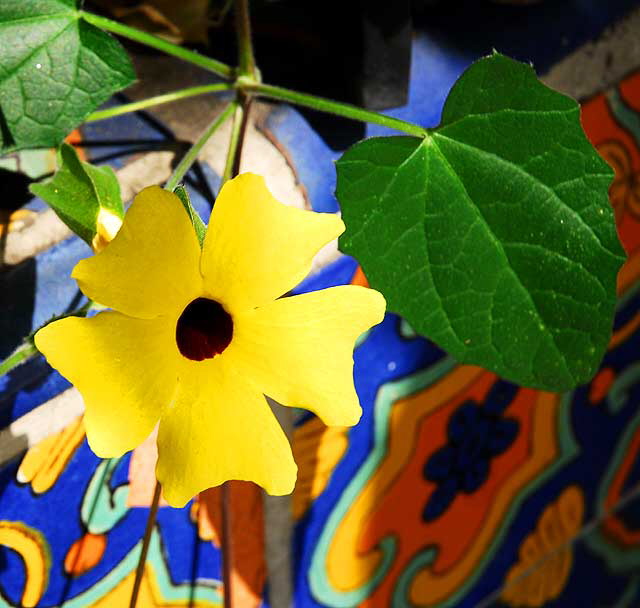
x,y
456,489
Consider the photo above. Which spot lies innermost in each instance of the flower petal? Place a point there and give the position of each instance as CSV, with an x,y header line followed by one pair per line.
x,y
256,248
123,367
219,428
299,350
152,265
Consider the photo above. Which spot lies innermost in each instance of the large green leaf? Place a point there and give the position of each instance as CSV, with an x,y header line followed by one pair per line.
x,y
493,235
55,69
85,197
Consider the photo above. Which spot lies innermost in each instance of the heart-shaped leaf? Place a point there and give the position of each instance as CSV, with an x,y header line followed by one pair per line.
x,y
493,235
55,69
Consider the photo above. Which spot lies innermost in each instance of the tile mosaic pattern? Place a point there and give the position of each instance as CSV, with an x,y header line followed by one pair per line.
x,y
456,489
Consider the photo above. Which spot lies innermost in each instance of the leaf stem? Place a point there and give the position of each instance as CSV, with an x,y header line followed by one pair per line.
x,y
329,106
24,352
245,99
248,80
190,157
213,65
235,147
158,100
246,59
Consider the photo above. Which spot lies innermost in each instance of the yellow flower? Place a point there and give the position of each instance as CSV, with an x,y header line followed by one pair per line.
x,y
197,337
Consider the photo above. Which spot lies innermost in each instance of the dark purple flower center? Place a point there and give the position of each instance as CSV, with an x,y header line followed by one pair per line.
x,y
204,329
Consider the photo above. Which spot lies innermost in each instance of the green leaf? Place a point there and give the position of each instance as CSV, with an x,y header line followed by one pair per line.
x,y
55,69
85,197
493,235
194,216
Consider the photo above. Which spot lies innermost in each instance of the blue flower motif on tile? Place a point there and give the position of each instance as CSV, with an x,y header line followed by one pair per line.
x,y
476,433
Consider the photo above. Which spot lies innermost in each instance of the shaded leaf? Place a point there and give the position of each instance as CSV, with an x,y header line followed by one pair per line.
x,y
55,69
85,197
493,235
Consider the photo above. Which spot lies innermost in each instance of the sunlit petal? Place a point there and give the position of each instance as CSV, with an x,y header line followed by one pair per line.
x,y
124,368
256,248
299,350
220,427
151,266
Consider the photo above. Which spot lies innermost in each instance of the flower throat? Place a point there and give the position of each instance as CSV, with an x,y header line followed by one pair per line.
x,y
204,329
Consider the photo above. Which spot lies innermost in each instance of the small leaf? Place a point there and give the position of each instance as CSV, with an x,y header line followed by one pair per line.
x,y
55,69
85,197
196,220
493,235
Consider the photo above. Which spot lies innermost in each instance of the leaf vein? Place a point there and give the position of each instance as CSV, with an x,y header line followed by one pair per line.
x,y
500,248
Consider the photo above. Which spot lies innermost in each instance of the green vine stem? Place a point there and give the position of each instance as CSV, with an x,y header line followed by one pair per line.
x,y
213,65
329,106
24,352
158,100
248,80
234,142
191,156
246,59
